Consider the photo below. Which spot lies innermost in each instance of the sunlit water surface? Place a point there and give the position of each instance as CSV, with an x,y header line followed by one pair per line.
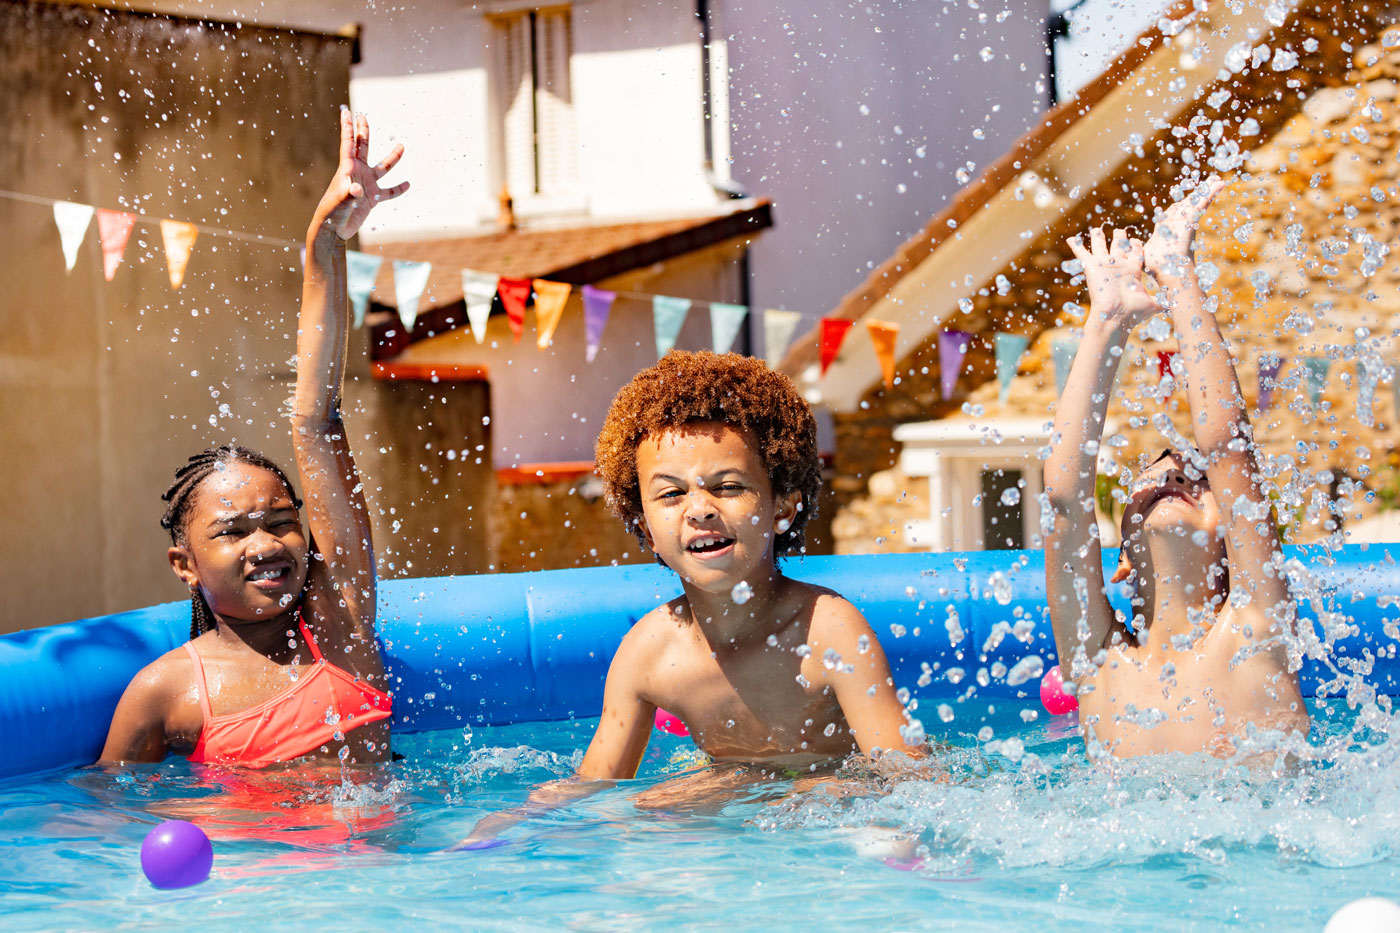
x,y
1045,841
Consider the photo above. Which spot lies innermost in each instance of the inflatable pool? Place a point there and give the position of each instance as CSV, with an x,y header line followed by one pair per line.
x,y
495,649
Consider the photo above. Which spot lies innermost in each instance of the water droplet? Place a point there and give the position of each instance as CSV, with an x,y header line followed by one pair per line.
x,y
742,592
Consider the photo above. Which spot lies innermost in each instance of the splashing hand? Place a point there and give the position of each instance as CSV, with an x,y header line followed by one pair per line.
x,y
1117,294
355,189
1168,252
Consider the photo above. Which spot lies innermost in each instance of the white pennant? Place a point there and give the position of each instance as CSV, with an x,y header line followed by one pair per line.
x,y
478,290
410,279
72,220
778,327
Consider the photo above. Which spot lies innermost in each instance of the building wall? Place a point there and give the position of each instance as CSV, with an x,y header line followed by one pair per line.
x,y
106,387
855,118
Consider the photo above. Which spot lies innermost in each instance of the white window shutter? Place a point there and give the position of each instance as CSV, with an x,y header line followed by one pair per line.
x,y
517,105
555,138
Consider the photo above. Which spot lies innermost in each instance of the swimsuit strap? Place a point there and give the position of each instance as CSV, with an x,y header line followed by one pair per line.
x,y
310,642
200,686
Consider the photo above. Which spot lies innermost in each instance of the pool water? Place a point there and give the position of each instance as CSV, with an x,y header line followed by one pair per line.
x,y
1020,834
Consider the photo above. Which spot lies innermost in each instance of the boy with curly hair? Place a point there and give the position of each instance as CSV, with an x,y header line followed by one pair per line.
x,y
712,461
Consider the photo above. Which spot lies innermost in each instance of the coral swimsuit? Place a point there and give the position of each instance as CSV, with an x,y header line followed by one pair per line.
x,y
325,701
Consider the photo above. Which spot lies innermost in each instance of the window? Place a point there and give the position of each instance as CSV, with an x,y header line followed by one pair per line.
x,y
535,103
1002,521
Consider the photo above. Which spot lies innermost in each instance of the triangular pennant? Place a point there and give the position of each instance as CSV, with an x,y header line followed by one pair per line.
x,y
550,299
72,221
1166,366
113,229
778,328
725,321
668,314
361,271
179,240
883,335
515,297
833,334
952,347
478,290
1317,367
410,279
1063,353
1268,375
597,305
1009,350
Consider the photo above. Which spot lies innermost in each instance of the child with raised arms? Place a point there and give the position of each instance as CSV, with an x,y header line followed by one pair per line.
x,y
712,461
282,660
1207,659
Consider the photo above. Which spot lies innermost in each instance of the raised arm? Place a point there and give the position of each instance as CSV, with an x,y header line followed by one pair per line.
x,y
1080,614
340,525
1219,417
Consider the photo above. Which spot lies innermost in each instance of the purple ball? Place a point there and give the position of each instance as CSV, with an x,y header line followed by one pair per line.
x,y
176,854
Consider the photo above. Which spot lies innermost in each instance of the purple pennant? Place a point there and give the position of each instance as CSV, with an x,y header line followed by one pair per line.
x,y
597,305
952,347
1268,372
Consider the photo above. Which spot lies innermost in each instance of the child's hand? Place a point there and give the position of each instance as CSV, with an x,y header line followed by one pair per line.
x,y
1114,274
1168,253
355,190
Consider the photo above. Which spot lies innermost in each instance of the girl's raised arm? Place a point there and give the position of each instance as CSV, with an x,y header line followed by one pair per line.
x,y
1080,614
341,585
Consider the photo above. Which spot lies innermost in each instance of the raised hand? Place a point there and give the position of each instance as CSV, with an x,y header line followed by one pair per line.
x,y
1113,272
355,189
1168,252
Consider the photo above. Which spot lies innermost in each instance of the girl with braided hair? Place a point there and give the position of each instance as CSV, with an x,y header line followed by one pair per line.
x,y
282,660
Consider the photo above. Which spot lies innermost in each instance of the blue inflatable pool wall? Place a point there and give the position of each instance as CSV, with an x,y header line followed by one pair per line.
x,y
535,646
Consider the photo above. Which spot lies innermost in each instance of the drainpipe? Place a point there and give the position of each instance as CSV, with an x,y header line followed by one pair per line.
x,y
728,188
1056,28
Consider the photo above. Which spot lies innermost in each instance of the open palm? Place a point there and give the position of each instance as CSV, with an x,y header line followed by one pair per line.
x,y
1113,272
355,189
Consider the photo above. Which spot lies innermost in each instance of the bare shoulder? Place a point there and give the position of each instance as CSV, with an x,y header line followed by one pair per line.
x,y
835,621
655,632
163,679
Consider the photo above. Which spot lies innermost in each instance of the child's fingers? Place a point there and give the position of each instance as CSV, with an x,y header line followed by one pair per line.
x,y
388,194
1096,240
356,190
361,137
389,162
1076,246
347,134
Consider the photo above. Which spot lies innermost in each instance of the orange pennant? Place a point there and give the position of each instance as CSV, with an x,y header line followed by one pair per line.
x,y
179,240
514,295
883,335
833,334
113,229
550,299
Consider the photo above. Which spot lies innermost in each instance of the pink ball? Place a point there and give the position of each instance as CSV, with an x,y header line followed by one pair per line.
x,y
1053,696
668,723
176,854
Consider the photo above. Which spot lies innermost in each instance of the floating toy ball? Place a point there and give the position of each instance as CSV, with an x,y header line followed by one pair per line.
x,y
668,723
1053,696
1367,915
176,854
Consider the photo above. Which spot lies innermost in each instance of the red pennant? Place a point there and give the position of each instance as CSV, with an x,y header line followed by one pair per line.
x,y
1165,361
834,332
515,295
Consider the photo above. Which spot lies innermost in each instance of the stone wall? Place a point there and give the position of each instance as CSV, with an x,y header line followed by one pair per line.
x,y
1324,178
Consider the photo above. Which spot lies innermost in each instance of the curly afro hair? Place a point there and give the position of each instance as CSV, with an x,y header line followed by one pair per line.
x,y
735,390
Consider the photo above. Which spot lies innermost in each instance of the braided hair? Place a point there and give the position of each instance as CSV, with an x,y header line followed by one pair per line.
x,y
180,495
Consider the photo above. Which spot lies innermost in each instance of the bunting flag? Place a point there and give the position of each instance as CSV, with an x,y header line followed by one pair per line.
x,y
952,347
833,334
1166,366
778,328
668,314
1316,367
725,321
361,271
1063,353
1268,374
179,240
410,279
1009,350
515,297
550,299
478,290
597,305
72,221
113,229
883,335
